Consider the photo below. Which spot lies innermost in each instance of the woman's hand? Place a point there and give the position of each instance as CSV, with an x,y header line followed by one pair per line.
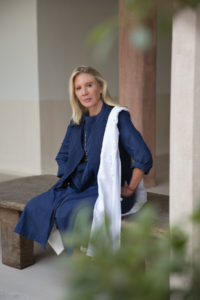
x,y
126,191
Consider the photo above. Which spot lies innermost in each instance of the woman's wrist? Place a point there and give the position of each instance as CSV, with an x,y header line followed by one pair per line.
x,y
130,189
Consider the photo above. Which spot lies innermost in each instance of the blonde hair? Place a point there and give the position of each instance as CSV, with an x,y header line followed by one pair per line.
x,y
78,110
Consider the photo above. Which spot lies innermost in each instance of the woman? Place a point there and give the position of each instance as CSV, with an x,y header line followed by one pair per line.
x,y
79,160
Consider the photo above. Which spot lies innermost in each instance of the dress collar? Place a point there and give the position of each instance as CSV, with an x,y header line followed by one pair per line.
x,y
87,117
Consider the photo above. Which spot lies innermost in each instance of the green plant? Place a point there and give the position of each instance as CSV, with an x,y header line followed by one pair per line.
x,y
139,270
136,16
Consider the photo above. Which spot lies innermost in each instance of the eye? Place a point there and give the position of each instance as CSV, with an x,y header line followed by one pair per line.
x,y
89,84
78,88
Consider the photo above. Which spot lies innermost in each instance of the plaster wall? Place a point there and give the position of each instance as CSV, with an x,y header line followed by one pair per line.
x,y
19,92
62,30
61,48
41,42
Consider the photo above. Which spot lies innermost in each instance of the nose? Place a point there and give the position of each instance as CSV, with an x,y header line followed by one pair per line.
x,y
84,91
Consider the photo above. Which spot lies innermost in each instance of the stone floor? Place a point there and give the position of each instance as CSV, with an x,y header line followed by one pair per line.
x,y
162,176
47,279
44,280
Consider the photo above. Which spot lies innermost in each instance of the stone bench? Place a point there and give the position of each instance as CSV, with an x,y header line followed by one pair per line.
x,y
17,251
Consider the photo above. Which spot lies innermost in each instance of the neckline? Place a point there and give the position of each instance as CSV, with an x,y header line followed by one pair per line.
x,y
87,116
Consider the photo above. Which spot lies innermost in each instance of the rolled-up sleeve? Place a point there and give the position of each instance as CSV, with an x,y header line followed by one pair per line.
x,y
133,143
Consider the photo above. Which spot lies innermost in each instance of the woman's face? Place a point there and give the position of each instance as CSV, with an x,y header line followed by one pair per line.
x,y
88,91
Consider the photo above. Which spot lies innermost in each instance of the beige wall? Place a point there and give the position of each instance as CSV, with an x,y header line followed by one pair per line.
x,y
62,29
41,42
20,137
18,50
19,92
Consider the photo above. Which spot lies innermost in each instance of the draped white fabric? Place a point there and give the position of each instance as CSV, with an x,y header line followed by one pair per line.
x,y
109,185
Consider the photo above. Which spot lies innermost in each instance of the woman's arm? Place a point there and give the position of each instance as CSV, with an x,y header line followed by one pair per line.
x,y
62,155
133,143
128,189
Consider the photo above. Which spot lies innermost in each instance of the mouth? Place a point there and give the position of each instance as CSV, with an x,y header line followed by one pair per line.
x,y
87,100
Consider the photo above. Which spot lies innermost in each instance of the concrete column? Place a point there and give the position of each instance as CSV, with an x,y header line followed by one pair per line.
x,y
185,120
137,88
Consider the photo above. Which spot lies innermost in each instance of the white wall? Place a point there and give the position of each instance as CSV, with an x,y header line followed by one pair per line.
x,y
19,93
18,51
62,29
63,26
41,42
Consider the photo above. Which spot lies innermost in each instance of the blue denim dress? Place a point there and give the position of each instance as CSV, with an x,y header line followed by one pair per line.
x,y
59,205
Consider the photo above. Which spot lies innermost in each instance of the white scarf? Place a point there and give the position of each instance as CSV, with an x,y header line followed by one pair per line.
x,y
108,202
